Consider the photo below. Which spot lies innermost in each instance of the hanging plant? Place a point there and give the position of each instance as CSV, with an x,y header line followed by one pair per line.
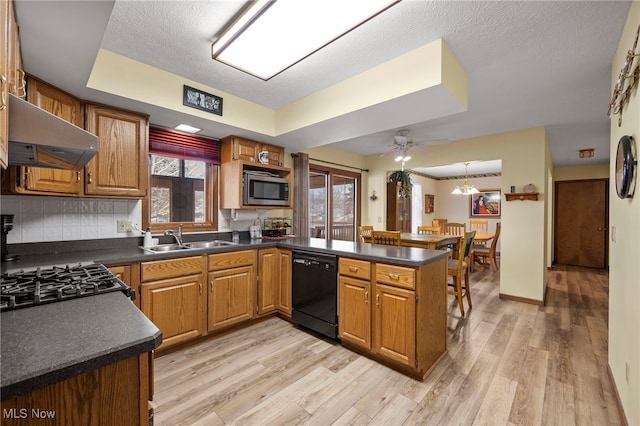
x,y
403,177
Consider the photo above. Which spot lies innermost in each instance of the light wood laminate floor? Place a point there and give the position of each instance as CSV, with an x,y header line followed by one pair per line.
x,y
508,363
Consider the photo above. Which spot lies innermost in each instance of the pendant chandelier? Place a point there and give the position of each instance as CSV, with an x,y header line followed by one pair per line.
x,y
465,189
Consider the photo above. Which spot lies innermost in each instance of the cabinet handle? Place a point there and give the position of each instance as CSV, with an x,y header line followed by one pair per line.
x,y
353,268
78,176
366,297
3,82
23,84
378,300
210,286
90,175
393,276
200,285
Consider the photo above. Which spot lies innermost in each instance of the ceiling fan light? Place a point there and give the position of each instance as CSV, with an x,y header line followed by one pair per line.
x,y
406,158
399,157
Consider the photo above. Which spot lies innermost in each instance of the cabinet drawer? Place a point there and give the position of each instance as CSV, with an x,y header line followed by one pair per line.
x,y
230,260
398,276
355,268
170,268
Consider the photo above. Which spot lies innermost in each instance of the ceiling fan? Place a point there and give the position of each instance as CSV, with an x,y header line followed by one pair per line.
x,y
403,142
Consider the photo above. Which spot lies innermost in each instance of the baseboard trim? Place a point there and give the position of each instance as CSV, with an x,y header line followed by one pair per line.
x,y
616,396
521,299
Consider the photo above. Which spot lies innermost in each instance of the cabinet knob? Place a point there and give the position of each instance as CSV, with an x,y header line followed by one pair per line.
x,y
393,276
353,268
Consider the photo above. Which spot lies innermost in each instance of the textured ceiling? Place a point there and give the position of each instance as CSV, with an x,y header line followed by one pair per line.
x,y
529,63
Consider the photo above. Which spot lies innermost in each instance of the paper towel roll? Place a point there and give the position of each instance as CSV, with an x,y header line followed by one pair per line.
x,y
243,215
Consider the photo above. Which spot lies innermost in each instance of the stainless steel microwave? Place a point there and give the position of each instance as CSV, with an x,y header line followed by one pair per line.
x,y
262,189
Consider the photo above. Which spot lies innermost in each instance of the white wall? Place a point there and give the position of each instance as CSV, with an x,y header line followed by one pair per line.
x,y
525,159
624,249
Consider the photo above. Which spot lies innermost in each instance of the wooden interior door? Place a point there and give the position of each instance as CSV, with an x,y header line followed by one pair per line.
x,y
581,223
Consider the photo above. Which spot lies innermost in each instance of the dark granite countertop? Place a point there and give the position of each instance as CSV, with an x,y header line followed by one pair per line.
x,y
408,256
49,343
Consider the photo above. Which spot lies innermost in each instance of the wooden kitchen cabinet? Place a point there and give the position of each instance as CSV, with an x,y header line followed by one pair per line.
x,y
268,280
354,318
4,84
117,394
16,77
231,289
394,314
120,168
237,148
173,298
284,287
39,180
395,324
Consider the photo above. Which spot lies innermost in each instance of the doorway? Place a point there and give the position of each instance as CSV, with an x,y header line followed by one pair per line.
x,y
334,203
581,223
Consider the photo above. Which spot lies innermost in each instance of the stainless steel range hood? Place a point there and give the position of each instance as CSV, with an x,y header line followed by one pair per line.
x,y
40,139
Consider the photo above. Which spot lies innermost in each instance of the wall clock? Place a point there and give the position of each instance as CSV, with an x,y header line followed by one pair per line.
x,y
625,167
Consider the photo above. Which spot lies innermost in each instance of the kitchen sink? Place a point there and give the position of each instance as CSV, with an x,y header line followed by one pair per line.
x,y
209,244
167,247
187,246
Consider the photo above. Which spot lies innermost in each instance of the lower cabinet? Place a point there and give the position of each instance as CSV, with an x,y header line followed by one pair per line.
x,y
173,298
274,281
232,289
284,286
117,394
395,314
268,280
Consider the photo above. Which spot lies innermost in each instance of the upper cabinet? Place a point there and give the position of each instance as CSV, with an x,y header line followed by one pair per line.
x,y
121,167
237,148
16,77
5,6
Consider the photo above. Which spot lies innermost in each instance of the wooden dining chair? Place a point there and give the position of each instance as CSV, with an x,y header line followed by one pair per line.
x,y
364,233
428,229
442,223
484,255
457,266
389,238
454,228
479,226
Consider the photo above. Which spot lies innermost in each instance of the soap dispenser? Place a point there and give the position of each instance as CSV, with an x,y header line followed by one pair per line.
x,y
148,241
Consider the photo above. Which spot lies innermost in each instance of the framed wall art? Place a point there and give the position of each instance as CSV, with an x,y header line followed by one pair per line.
x,y
485,203
198,99
429,203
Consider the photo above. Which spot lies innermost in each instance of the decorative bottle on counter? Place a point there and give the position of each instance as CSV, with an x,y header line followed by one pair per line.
x,y
148,241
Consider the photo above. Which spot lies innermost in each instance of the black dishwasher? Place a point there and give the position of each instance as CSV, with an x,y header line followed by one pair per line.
x,y
314,292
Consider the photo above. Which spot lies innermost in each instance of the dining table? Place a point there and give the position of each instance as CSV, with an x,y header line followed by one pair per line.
x,y
432,241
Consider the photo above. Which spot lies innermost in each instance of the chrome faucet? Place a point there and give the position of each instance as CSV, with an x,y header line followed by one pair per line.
x,y
175,234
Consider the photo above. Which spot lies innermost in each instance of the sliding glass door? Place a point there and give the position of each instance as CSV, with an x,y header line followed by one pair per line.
x,y
334,207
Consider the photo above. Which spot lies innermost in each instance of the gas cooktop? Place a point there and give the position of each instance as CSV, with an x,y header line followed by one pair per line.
x,y
31,288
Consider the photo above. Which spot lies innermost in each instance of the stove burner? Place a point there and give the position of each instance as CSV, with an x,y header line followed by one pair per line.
x,y
24,289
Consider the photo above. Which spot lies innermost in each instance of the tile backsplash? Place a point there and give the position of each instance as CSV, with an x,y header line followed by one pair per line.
x,y
47,218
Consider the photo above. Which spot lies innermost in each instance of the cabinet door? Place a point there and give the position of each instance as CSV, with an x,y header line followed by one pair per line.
x,y
69,108
355,312
16,73
245,149
395,324
276,154
284,288
269,277
4,85
121,166
231,297
176,306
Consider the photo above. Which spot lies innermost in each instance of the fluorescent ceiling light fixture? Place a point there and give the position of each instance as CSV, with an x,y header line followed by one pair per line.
x,y
187,128
272,35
